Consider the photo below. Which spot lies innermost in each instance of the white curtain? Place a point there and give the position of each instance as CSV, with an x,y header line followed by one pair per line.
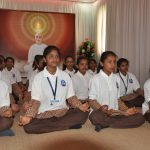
x,y
128,33
85,14
101,28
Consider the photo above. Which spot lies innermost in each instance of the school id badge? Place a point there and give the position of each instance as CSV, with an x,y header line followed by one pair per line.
x,y
130,80
53,101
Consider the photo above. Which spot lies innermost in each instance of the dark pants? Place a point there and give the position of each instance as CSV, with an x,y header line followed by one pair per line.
x,y
98,117
5,123
137,102
71,118
147,116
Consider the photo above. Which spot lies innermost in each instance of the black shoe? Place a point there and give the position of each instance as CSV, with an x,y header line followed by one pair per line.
x,y
98,128
78,126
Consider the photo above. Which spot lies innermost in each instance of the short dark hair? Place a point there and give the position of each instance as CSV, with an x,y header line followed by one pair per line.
x,y
81,58
50,48
122,60
93,61
64,65
11,58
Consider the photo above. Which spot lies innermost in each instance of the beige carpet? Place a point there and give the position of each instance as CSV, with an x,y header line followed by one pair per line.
x,y
81,139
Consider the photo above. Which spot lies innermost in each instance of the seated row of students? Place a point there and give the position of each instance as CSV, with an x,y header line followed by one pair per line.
x,y
60,102
130,90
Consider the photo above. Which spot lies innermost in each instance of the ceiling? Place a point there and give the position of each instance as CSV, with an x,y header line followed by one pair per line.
x,y
81,1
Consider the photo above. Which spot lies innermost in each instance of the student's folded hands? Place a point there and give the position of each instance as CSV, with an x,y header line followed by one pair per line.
x,y
84,107
24,120
109,112
7,113
104,108
131,111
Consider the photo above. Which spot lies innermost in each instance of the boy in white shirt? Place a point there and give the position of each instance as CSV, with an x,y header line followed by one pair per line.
x,y
68,66
10,82
12,72
92,67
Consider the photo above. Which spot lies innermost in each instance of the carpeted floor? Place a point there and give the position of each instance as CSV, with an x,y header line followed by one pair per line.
x,y
81,139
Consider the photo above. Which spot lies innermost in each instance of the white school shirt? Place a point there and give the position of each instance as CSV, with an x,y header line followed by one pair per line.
x,y
105,89
145,105
71,73
35,49
32,78
81,85
42,91
15,74
91,72
4,94
130,82
9,81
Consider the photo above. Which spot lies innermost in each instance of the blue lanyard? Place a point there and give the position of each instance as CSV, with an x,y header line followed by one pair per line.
x,y
54,92
126,87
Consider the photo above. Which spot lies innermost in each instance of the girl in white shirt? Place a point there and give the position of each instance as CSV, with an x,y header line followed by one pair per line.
x,y
130,90
104,94
18,88
68,65
50,89
81,79
38,65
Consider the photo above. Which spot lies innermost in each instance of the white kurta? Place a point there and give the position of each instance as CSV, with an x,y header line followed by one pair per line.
x,y
35,49
105,89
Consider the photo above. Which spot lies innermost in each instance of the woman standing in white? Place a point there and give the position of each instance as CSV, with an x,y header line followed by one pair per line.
x,y
81,79
36,49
